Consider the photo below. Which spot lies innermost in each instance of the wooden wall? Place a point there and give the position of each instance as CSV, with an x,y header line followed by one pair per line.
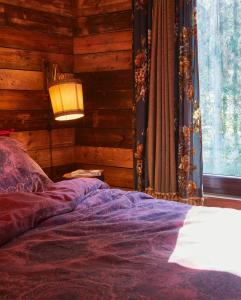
x,y
103,61
31,31
93,39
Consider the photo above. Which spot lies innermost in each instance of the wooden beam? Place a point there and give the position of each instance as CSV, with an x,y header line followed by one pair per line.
x,y
105,42
118,60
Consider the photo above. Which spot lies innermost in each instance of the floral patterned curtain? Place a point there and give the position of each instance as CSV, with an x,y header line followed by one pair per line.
x,y
189,118
141,55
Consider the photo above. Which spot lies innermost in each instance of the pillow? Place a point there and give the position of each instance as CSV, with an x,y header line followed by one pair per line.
x,y
18,171
5,132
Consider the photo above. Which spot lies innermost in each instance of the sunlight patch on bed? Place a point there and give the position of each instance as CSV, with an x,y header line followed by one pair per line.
x,y
210,239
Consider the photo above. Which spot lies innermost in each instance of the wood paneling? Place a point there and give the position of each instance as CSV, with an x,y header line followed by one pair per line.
x,y
21,80
40,139
103,61
58,7
25,39
99,137
34,20
107,80
37,143
24,120
23,100
33,60
118,60
115,157
31,32
61,156
107,119
63,137
106,42
107,99
103,23
86,8
35,30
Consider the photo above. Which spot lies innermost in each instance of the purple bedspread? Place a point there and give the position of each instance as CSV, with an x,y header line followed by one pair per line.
x,y
82,240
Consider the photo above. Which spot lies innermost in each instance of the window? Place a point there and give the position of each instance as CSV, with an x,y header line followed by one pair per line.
x,y
219,38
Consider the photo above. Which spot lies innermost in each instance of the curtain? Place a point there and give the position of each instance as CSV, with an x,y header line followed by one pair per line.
x,y
168,150
189,143
141,61
161,152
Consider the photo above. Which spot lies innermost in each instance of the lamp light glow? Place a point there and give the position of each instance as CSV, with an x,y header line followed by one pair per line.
x,y
67,99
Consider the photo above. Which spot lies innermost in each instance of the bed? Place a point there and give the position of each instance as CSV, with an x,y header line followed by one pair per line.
x,y
79,239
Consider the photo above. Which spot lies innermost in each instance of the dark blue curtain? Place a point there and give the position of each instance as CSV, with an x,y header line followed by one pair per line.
x,y
141,61
189,117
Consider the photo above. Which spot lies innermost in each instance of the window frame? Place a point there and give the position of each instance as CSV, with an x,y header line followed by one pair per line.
x,y
224,185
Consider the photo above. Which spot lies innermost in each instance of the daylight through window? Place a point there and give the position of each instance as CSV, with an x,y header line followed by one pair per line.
x,y
219,37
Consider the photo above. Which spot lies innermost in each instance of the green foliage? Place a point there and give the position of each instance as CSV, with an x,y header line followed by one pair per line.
x,y
219,36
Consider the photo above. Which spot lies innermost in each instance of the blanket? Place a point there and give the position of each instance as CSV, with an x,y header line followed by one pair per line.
x,y
82,240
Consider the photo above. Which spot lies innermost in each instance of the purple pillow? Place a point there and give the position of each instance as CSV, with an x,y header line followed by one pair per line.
x,y
18,171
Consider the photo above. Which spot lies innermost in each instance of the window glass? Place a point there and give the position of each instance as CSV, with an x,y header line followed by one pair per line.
x,y
219,37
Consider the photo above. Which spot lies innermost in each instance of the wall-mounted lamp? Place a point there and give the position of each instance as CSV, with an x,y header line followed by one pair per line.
x,y
66,96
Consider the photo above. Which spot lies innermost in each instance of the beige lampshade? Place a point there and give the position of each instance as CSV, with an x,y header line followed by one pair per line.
x,y
67,99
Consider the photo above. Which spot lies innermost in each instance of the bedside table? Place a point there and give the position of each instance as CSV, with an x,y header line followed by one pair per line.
x,y
81,173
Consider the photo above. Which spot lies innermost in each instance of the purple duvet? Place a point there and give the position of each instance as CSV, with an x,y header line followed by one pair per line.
x,y
82,240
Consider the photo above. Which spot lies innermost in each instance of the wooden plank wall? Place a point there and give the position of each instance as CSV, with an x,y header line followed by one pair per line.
x,y
103,61
31,31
